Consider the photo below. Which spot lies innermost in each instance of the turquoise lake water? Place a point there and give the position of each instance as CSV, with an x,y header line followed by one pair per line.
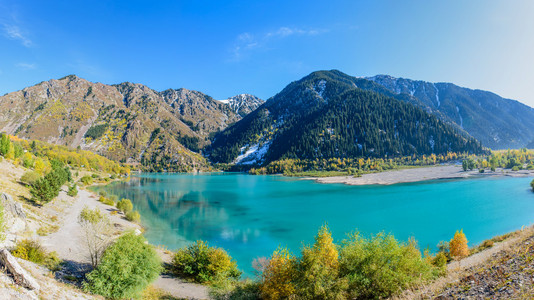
x,y
250,216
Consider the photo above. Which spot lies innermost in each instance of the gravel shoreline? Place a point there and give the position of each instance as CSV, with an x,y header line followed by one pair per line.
x,y
419,174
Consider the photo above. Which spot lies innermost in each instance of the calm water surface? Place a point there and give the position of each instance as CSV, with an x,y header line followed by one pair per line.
x,y
250,216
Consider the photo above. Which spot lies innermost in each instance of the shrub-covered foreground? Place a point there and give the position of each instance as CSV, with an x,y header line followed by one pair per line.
x,y
125,270
358,268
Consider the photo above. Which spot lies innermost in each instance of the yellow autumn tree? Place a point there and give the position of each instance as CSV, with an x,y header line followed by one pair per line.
x,y
278,276
458,245
318,270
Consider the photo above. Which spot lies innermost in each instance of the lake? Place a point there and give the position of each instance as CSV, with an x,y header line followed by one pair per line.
x,y
251,215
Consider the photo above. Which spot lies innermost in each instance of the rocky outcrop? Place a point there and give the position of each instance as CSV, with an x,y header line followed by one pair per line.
x,y
14,219
20,275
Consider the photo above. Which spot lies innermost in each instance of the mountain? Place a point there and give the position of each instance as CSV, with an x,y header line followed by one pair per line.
x,y
330,114
243,104
127,122
497,122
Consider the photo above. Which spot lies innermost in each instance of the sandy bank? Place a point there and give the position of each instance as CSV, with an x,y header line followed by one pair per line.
x,y
419,174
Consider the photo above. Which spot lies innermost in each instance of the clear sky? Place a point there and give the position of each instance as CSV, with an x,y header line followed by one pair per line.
x,y
223,48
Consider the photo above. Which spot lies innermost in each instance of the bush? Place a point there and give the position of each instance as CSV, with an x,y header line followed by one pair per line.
x,y
33,251
237,290
52,261
487,244
278,276
318,270
30,177
125,205
87,180
532,185
380,266
440,262
30,250
106,201
515,168
126,269
204,264
133,216
73,190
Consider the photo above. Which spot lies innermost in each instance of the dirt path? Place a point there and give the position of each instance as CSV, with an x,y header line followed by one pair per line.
x,y
68,242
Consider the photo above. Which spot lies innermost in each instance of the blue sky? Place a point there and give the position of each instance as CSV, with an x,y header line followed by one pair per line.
x,y
224,48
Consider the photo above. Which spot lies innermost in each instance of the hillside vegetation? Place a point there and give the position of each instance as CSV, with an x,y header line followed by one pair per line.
x,y
326,115
125,122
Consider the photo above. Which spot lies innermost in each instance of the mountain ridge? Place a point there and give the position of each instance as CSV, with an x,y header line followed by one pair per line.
x,y
304,119
128,122
498,122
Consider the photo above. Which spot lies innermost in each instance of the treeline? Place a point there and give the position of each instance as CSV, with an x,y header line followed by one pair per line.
x,y
507,159
352,166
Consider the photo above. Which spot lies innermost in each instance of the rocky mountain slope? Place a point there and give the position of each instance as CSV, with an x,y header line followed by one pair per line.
x,y
243,104
497,122
330,114
126,122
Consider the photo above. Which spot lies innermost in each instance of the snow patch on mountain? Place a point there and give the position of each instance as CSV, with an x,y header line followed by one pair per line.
x,y
461,119
437,94
320,87
252,155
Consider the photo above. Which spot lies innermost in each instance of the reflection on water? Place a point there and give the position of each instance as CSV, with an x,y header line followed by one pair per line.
x,y
251,216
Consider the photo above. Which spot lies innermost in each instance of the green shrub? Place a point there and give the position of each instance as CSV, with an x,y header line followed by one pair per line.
x,y
133,216
381,266
440,262
95,176
126,269
106,201
532,185
237,290
515,168
52,261
125,205
487,244
30,250
87,180
33,251
30,177
73,190
204,264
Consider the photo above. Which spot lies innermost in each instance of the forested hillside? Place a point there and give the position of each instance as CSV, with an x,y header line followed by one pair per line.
x,y
327,114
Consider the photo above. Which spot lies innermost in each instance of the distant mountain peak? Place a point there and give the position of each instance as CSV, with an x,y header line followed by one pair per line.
x,y
243,104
